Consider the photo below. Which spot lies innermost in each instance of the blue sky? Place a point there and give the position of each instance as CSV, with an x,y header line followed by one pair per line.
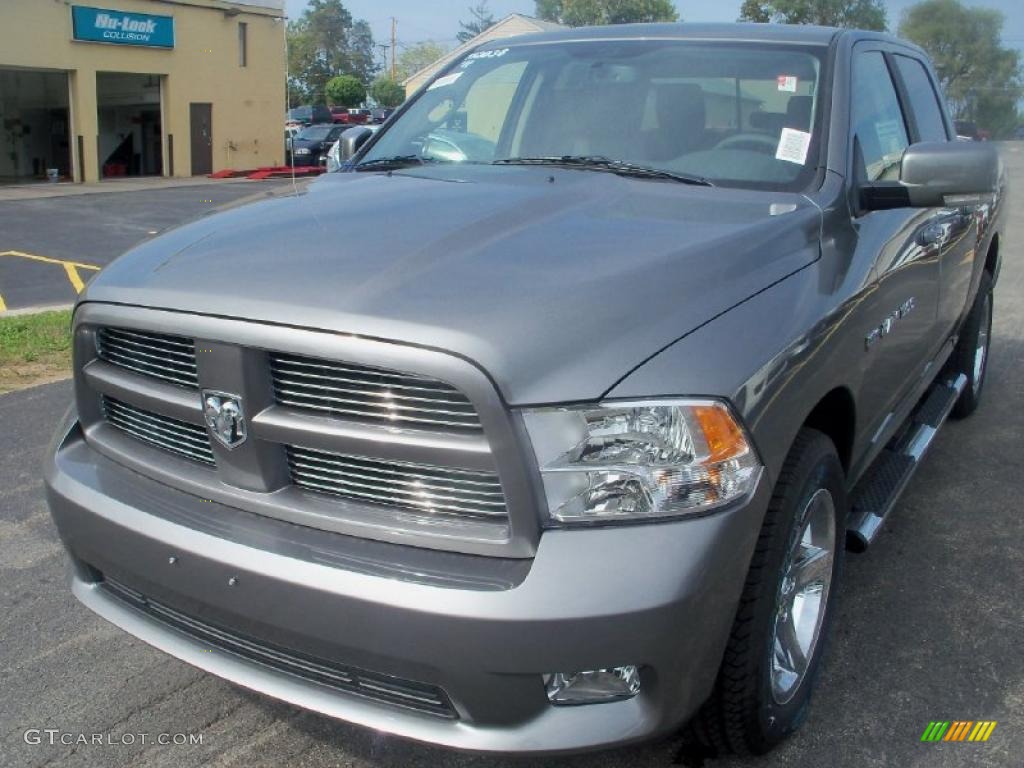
x,y
420,20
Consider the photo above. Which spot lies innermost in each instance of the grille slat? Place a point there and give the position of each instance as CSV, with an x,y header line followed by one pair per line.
x,y
421,697
166,433
186,359
421,488
413,402
397,498
484,491
370,394
134,362
398,382
151,337
170,358
169,434
348,402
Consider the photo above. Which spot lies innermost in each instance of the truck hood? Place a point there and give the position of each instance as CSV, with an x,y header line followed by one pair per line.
x,y
556,282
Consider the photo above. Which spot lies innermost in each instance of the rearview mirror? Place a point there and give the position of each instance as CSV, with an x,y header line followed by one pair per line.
x,y
937,174
352,141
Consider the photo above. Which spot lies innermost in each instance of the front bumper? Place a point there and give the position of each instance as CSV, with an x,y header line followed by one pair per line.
x,y
661,595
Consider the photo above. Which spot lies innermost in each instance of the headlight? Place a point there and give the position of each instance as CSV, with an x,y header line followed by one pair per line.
x,y
302,151
621,461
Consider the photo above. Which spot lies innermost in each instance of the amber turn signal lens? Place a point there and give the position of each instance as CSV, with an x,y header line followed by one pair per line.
x,y
724,436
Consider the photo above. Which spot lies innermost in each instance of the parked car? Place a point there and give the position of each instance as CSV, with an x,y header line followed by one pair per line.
x,y
310,146
309,115
379,115
347,116
966,130
290,132
555,439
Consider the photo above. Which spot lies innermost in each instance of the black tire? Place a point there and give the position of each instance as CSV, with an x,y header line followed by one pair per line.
x,y
976,331
743,715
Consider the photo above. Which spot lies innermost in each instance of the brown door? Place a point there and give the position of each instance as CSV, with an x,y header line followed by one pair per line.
x,y
202,138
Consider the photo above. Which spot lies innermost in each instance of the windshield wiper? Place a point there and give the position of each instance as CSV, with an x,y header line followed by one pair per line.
x,y
601,163
391,163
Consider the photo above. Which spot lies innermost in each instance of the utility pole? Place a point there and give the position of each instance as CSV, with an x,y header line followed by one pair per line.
x,y
384,55
394,45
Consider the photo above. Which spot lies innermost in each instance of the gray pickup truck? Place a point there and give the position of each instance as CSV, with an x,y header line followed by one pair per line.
x,y
552,435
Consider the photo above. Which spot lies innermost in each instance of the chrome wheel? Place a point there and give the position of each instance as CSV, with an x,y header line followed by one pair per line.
x,y
981,349
803,595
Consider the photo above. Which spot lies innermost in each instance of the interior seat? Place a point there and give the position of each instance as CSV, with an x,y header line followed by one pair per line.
x,y
682,118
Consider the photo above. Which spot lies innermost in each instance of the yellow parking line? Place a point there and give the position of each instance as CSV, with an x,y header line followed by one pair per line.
x,y
70,267
48,260
73,276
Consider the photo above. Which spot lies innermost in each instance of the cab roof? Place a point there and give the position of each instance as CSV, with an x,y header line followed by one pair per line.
x,y
799,34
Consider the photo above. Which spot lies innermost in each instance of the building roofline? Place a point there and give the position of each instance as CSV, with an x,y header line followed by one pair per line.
x,y
546,26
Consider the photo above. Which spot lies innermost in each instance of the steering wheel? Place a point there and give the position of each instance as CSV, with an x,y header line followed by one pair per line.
x,y
756,142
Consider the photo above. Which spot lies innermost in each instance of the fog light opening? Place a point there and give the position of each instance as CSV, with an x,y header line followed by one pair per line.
x,y
594,686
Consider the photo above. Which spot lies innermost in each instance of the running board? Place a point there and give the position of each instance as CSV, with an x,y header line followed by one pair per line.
x,y
877,492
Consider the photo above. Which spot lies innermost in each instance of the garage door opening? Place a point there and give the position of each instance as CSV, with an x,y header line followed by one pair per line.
x,y
33,125
130,127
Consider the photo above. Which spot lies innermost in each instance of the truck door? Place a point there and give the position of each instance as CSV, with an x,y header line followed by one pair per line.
x,y
955,229
898,309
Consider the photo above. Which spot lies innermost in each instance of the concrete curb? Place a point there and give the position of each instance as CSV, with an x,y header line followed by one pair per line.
x,y
35,310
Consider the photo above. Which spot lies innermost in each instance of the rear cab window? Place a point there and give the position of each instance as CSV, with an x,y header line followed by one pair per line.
x,y
923,99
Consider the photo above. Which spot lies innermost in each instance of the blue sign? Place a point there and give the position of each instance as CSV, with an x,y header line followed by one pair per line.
x,y
100,25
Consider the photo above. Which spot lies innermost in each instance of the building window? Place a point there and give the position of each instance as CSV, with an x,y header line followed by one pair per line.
x,y
243,47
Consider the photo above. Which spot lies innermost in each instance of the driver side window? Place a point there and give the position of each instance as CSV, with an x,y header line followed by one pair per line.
x,y
877,118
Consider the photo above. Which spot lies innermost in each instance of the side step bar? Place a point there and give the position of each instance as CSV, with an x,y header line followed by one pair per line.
x,y
877,492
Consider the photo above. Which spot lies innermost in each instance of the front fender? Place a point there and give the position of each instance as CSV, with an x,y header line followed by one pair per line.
x,y
774,357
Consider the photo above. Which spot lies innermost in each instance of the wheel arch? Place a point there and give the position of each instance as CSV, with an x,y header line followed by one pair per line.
x,y
992,262
835,414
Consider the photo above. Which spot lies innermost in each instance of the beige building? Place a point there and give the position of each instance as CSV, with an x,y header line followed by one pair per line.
x,y
104,88
510,26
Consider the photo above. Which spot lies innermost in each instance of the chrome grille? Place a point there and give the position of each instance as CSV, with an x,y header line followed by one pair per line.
x,y
370,394
420,487
421,697
188,440
171,358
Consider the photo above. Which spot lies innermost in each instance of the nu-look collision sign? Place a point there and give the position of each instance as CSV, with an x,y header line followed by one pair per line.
x,y
100,25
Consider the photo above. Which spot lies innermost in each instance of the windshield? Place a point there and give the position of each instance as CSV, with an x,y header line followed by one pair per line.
x,y
316,133
735,114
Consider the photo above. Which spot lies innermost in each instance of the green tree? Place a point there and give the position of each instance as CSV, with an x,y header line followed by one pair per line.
x,y
323,43
480,20
861,14
416,57
981,77
581,13
387,92
345,91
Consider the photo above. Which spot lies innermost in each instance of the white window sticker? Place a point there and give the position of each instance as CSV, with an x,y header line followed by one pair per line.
x,y
793,146
441,82
497,54
787,83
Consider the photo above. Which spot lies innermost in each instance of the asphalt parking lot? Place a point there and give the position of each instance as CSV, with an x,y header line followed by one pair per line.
x,y
930,624
40,237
